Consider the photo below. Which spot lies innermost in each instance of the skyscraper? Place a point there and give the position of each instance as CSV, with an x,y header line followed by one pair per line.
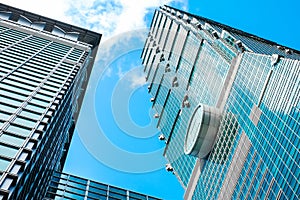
x,y
44,69
227,104
67,186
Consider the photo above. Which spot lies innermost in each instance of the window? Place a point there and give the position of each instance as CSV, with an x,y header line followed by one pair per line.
x,y
30,115
25,122
9,139
3,164
18,130
8,151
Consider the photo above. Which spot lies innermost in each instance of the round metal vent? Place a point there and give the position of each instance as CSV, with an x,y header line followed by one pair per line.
x,y
202,131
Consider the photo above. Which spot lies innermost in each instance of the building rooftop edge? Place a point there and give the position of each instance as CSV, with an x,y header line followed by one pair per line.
x,y
86,35
226,27
100,182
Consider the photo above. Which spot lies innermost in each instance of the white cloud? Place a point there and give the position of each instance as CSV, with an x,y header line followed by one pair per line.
x,y
108,72
55,9
137,80
120,73
118,20
109,17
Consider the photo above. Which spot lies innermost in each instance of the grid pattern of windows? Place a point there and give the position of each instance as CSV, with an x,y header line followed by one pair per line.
x,y
214,172
199,61
40,81
208,76
66,186
271,170
186,62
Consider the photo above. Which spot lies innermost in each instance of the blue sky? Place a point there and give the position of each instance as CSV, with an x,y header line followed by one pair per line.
x,y
262,21
116,140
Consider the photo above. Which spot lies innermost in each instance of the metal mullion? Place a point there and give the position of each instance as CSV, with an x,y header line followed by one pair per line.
x,y
22,88
252,181
150,67
3,31
260,184
147,55
13,32
17,42
28,46
43,65
182,50
168,33
145,49
11,98
20,49
8,40
246,174
17,53
9,59
174,41
81,56
146,43
57,79
46,65
148,58
30,73
154,75
5,70
39,71
50,52
44,61
16,68
23,80
61,73
163,108
32,69
47,58
164,35
152,26
158,25
65,67
19,110
163,28
14,56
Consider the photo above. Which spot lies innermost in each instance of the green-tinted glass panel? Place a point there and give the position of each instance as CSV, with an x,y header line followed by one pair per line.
x,y
7,151
4,116
11,140
3,164
75,190
30,115
25,122
35,108
7,108
18,130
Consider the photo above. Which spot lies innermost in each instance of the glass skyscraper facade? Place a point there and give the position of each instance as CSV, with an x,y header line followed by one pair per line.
x,y
227,104
44,69
66,186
